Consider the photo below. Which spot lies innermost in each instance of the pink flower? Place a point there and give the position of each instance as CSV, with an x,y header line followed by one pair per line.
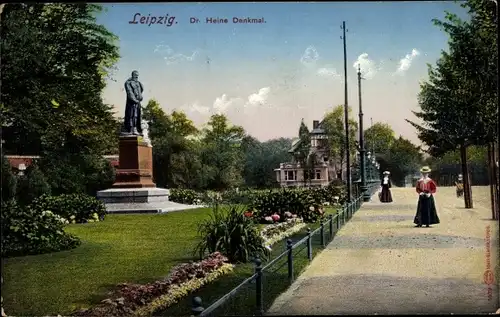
x,y
275,217
248,214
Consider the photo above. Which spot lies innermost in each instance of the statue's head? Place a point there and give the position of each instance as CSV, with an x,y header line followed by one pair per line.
x,y
135,75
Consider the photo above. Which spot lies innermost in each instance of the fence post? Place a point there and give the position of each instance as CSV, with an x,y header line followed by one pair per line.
x,y
289,245
331,226
259,295
197,308
338,220
322,232
309,245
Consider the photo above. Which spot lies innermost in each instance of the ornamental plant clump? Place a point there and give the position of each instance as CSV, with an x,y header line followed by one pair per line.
x,y
279,231
140,299
76,208
186,196
28,231
304,203
228,231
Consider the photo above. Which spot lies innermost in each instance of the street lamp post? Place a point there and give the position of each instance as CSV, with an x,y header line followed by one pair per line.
x,y
346,115
368,166
362,150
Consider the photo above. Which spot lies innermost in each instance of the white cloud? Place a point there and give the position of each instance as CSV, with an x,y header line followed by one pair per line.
x,y
328,72
171,57
405,62
368,66
310,56
196,107
223,103
259,98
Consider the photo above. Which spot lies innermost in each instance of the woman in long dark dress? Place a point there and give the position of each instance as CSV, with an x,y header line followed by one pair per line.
x,y
426,207
385,194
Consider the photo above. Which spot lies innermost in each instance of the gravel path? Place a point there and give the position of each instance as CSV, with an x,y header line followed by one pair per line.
x,y
379,263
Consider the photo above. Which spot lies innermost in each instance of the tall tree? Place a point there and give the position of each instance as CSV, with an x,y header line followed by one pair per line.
x,y
54,59
379,138
402,159
333,123
459,100
304,149
175,148
222,155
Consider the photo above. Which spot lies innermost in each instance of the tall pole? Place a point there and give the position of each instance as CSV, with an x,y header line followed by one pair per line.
x,y
362,150
346,119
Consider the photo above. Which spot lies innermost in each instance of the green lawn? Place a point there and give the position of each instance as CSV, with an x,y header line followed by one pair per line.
x,y
128,248
123,248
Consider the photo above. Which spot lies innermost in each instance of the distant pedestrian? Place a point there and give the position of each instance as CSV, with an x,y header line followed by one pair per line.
x,y
460,185
385,193
426,207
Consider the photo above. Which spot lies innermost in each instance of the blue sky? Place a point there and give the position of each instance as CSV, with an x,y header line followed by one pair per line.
x,y
268,76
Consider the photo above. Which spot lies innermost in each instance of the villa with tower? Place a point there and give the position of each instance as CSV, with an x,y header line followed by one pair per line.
x,y
322,168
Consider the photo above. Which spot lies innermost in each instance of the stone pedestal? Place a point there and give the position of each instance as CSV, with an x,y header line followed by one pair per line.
x,y
134,190
136,164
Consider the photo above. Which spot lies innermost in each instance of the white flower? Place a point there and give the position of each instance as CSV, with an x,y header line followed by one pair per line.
x,y
286,229
326,203
311,208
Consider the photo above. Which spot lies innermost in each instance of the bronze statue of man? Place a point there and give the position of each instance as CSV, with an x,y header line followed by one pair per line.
x,y
134,89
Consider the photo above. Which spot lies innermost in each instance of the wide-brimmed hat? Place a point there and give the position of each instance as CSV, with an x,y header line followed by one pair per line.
x,y
425,169
387,173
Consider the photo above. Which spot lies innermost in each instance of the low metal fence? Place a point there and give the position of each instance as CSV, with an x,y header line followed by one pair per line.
x,y
275,276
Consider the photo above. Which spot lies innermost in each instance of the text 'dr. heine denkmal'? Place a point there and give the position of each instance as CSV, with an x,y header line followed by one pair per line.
x,y
224,20
150,19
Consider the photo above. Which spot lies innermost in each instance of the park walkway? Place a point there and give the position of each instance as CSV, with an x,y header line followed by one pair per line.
x,y
379,263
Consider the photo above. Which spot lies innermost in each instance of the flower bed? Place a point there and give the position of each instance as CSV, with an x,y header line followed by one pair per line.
x,y
144,300
279,231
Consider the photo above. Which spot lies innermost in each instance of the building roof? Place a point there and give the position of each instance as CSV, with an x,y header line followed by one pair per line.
x,y
295,145
318,130
16,160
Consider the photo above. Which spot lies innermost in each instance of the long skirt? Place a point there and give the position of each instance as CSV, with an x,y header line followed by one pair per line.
x,y
426,211
385,195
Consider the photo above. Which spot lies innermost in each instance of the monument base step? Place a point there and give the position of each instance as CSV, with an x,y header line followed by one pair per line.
x,y
140,200
140,208
133,195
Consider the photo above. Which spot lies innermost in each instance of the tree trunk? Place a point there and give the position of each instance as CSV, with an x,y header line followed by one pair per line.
x,y
465,173
492,174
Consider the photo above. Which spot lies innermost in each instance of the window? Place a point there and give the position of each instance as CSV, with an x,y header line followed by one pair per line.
x,y
318,174
291,175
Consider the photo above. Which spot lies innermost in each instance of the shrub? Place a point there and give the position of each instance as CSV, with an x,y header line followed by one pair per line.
x,y
231,233
76,208
9,181
77,172
242,197
300,202
32,185
28,231
185,196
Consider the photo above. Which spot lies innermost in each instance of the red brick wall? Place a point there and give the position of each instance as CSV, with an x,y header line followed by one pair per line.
x,y
15,160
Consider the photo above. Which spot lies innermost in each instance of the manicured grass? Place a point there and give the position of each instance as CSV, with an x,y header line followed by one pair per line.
x,y
136,249
123,248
